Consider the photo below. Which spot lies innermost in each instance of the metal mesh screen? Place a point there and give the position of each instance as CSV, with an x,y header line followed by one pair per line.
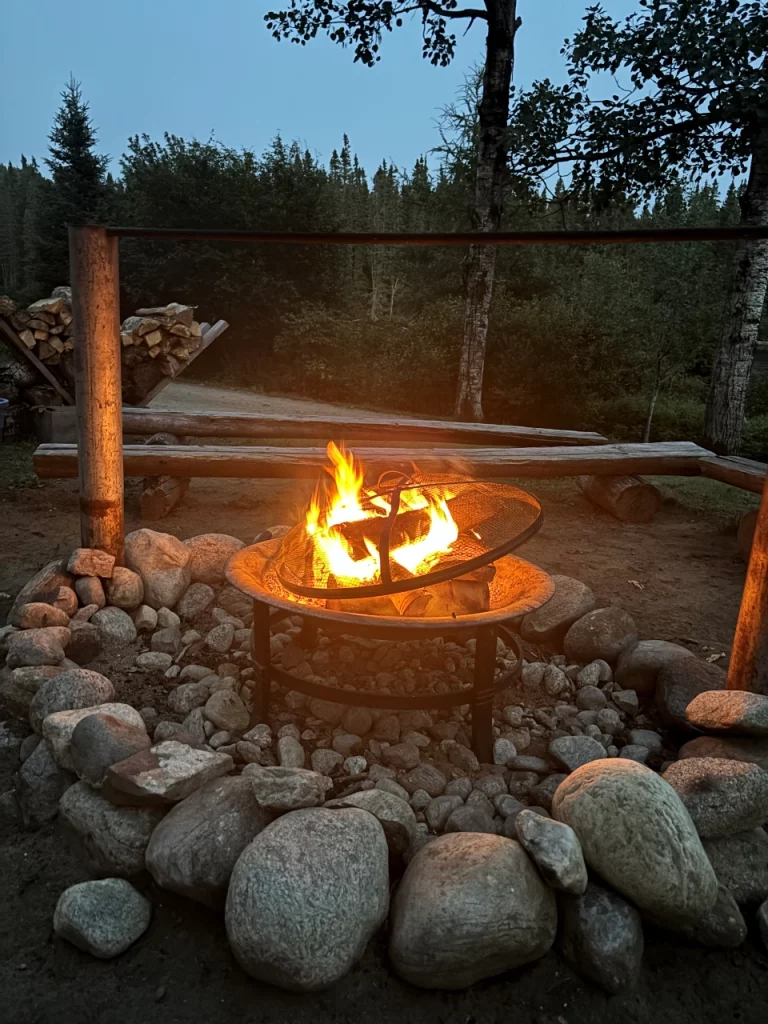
x,y
492,519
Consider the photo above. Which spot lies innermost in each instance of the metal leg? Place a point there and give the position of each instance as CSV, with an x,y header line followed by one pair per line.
x,y
482,708
261,662
308,636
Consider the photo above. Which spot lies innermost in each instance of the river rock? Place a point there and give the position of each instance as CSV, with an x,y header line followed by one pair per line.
x,y
602,938
731,711
38,615
469,907
154,661
145,619
43,586
90,590
638,668
326,761
306,896
65,599
555,851
115,625
741,864
221,638
290,752
281,789
162,561
679,682
91,562
393,813
125,590
227,711
102,917
439,809
470,818
114,838
196,601
43,646
195,847
423,776
542,794
574,751
571,600
209,554
722,796
636,833
604,633
59,727
19,685
77,688
164,774
40,783
750,749
100,740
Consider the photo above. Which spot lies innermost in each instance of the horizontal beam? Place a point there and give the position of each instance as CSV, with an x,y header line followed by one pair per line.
x,y
743,473
676,458
342,428
553,237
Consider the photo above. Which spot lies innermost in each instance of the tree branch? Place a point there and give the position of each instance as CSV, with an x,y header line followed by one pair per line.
x,y
464,12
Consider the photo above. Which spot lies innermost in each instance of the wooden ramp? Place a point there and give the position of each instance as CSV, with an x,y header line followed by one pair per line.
x,y
676,458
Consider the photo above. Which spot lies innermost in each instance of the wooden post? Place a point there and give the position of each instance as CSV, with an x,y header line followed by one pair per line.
x,y
748,669
93,264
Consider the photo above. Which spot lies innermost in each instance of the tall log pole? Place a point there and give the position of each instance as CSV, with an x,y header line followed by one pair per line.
x,y
748,669
93,264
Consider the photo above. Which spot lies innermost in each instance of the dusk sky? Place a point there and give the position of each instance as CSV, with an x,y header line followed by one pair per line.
x,y
195,69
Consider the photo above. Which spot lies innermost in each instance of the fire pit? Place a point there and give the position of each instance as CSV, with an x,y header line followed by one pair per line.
x,y
411,557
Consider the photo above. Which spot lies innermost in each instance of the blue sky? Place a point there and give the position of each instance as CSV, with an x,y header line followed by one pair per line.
x,y
196,68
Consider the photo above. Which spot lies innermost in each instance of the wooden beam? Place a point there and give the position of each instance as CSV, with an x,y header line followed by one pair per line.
x,y
749,655
675,458
30,356
209,335
743,473
381,429
93,260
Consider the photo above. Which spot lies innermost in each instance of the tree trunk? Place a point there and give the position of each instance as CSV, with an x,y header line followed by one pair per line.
x,y
651,410
732,365
493,114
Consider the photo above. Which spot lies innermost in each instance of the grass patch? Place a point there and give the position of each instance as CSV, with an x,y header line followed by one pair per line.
x,y
16,469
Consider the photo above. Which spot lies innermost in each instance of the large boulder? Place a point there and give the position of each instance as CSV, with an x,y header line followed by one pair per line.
x,y
731,711
40,784
162,561
59,729
749,749
44,646
571,600
195,847
114,839
19,685
741,864
76,688
102,917
38,615
396,816
636,833
469,907
638,668
100,740
678,682
306,896
722,796
164,774
602,938
604,633
209,554
125,590
44,586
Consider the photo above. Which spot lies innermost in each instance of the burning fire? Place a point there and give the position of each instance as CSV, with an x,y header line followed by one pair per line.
x,y
333,552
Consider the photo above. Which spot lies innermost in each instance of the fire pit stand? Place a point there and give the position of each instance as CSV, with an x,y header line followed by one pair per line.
x,y
520,588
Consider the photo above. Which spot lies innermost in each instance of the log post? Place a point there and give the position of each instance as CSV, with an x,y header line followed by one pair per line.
x,y
627,498
749,654
93,263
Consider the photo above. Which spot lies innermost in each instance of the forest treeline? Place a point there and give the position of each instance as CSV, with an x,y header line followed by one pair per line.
x,y
592,337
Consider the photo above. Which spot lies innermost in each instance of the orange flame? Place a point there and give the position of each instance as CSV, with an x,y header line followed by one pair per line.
x,y
333,553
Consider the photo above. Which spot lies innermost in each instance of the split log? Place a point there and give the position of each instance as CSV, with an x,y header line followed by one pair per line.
x,y
628,498
162,494
730,469
673,458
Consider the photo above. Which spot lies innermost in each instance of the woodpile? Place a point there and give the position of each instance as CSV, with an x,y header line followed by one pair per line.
x,y
157,342
45,327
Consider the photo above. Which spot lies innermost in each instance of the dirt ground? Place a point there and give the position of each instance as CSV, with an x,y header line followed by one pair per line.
x,y
680,577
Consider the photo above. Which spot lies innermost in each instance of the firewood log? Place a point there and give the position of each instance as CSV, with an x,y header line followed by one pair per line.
x,y
629,498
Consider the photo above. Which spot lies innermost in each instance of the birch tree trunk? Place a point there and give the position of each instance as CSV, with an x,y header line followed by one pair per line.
x,y
493,115
726,402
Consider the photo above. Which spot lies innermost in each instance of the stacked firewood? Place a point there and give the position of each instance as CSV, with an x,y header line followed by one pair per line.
x,y
45,327
157,342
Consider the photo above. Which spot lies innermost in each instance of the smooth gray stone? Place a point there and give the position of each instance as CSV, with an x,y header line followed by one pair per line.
x,y
59,728
306,896
741,864
721,796
571,600
555,850
604,633
469,819
440,808
99,741
678,682
387,807
574,751
115,625
195,847
44,646
423,776
469,907
19,685
602,938
543,794
636,834
732,711
68,691
638,668
114,838
40,784
103,917
721,927
749,749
